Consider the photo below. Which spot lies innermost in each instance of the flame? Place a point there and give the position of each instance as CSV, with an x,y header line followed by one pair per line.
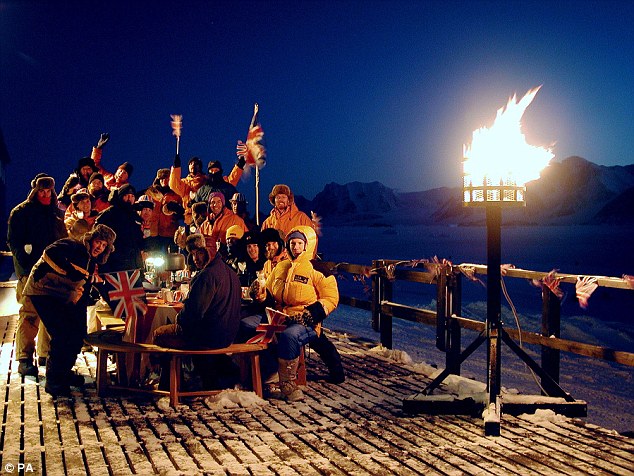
x,y
500,155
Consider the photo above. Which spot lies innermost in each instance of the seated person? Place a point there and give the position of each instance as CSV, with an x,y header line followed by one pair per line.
x,y
210,317
307,296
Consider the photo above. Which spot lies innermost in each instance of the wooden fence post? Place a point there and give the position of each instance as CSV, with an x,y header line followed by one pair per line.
x,y
454,298
551,326
381,291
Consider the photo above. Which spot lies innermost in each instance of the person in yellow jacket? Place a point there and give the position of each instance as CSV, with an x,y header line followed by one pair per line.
x,y
303,293
285,214
187,187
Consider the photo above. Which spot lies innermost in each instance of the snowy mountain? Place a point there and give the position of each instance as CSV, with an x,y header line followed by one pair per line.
x,y
571,192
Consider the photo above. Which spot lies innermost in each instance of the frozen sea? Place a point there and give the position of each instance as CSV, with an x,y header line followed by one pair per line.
x,y
586,250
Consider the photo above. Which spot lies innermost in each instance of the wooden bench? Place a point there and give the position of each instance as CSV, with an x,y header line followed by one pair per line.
x,y
109,341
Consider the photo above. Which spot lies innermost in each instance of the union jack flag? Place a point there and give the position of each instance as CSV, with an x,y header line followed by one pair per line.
x,y
125,293
266,332
253,150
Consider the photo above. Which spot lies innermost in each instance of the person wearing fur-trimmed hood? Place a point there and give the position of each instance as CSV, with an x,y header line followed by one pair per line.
x,y
33,225
58,288
296,288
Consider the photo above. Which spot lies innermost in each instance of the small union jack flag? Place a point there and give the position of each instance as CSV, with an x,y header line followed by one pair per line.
x,y
125,293
266,332
253,150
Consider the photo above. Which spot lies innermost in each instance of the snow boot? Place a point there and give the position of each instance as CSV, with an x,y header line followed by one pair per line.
x,y
330,355
26,368
288,375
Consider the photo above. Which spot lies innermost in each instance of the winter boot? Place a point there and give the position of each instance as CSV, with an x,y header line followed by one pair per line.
x,y
288,375
26,367
56,381
330,355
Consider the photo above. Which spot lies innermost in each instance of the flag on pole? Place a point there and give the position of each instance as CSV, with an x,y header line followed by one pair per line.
x,y
253,149
266,332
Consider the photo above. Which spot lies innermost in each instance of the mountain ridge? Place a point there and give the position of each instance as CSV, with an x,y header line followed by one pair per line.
x,y
574,191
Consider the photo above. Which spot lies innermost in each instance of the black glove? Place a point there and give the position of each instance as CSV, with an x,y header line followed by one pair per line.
x,y
177,160
173,208
103,139
313,314
241,162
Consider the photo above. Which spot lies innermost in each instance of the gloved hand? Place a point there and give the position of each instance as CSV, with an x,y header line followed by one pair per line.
x,y
173,208
177,160
241,162
103,139
311,316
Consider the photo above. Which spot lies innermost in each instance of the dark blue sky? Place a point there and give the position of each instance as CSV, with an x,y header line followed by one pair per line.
x,y
361,90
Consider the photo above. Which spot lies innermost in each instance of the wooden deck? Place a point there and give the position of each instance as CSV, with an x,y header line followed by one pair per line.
x,y
354,428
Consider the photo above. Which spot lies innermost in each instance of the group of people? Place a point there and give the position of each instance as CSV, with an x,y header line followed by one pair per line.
x,y
99,223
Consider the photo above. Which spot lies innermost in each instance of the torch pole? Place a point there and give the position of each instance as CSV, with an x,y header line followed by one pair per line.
x,y
494,305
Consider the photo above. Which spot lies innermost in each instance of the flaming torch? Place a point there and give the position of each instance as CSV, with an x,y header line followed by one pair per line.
x,y
496,167
177,125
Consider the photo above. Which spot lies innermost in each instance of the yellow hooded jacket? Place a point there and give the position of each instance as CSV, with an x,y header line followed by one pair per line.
x,y
295,284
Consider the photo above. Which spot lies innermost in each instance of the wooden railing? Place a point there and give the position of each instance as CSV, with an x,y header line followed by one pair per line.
x,y
447,317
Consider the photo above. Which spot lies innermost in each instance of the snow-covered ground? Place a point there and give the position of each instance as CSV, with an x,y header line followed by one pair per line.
x,y
607,387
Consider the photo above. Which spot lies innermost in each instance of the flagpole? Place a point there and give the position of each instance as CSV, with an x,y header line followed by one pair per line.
x,y
257,196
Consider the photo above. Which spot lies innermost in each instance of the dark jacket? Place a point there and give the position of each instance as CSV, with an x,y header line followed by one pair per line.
x,y
211,313
124,221
31,223
63,272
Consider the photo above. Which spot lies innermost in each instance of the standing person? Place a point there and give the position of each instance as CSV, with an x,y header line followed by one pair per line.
x,y
239,207
307,296
58,288
121,176
210,316
166,213
33,225
285,214
122,218
77,180
219,220
187,187
216,182
79,217
98,192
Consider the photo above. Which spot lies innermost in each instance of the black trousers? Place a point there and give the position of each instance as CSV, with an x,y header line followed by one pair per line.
x,y
66,324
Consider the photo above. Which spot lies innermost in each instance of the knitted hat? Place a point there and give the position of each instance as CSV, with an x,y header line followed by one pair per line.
x,y
251,237
234,231
101,232
219,195
280,189
96,176
125,189
127,166
78,196
214,164
86,162
196,159
238,197
195,241
296,234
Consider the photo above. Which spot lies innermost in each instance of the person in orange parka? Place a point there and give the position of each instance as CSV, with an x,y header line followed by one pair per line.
x,y
285,215
187,187
111,180
220,219
166,213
